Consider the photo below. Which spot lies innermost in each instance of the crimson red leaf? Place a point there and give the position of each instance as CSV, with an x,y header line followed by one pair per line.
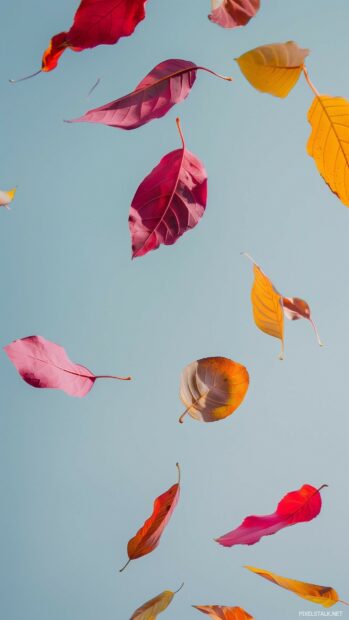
x,y
44,364
167,84
168,202
296,507
233,13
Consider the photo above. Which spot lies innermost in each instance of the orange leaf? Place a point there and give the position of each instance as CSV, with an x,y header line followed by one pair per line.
x,y
148,536
224,613
212,388
322,595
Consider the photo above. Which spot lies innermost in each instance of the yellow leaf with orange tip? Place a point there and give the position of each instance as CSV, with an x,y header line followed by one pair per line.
x,y
217,612
151,609
267,305
328,143
212,388
274,68
6,197
322,595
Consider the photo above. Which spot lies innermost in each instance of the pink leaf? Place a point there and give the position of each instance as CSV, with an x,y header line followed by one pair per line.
x,y
167,84
170,201
44,364
296,507
234,13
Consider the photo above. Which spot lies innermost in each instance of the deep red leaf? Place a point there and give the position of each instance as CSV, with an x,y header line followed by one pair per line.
x,y
170,201
167,84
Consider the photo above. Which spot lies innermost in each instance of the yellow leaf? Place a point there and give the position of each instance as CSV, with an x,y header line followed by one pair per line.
x,y
273,68
151,609
322,595
328,143
212,388
6,197
267,305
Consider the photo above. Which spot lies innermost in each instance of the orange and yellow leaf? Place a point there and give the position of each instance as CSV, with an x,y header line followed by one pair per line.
x,y
274,68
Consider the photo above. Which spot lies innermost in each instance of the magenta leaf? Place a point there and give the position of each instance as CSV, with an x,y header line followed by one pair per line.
x,y
167,84
295,507
168,202
234,13
44,364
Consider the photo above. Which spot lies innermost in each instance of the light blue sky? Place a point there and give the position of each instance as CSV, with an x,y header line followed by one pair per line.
x,y
78,477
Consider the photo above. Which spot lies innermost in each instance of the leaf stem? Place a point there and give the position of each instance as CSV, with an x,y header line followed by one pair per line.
x,y
180,587
343,602
27,77
222,77
180,131
113,377
316,332
123,568
179,472
310,83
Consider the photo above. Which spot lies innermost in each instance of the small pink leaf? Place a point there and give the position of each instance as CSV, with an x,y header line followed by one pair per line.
x,y
44,364
234,13
168,202
295,507
167,84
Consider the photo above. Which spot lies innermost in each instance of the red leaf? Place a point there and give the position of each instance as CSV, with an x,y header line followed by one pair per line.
x,y
148,536
96,22
44,364
296,507
168,202
234,13
167,84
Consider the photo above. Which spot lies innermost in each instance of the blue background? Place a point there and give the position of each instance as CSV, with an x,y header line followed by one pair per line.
x,y
78,477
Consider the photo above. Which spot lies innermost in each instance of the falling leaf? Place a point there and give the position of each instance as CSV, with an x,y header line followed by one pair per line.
x,y
322,595
217,612
6,197
169,201
296,507
96,22
233,13
269,307
212,388
151,609
273,68
44,364
167,84
148,536
328,143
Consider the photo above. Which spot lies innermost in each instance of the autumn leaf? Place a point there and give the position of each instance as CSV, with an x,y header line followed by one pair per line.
x,y
148,536
328,143
322,595
167,84
233,13
96,22
44,364
151,609
170,201
212,388
269,307
274,68
217,612
6,197
296,507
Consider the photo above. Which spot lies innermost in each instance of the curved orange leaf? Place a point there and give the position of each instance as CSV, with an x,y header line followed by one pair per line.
x,y
322,595
148,536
